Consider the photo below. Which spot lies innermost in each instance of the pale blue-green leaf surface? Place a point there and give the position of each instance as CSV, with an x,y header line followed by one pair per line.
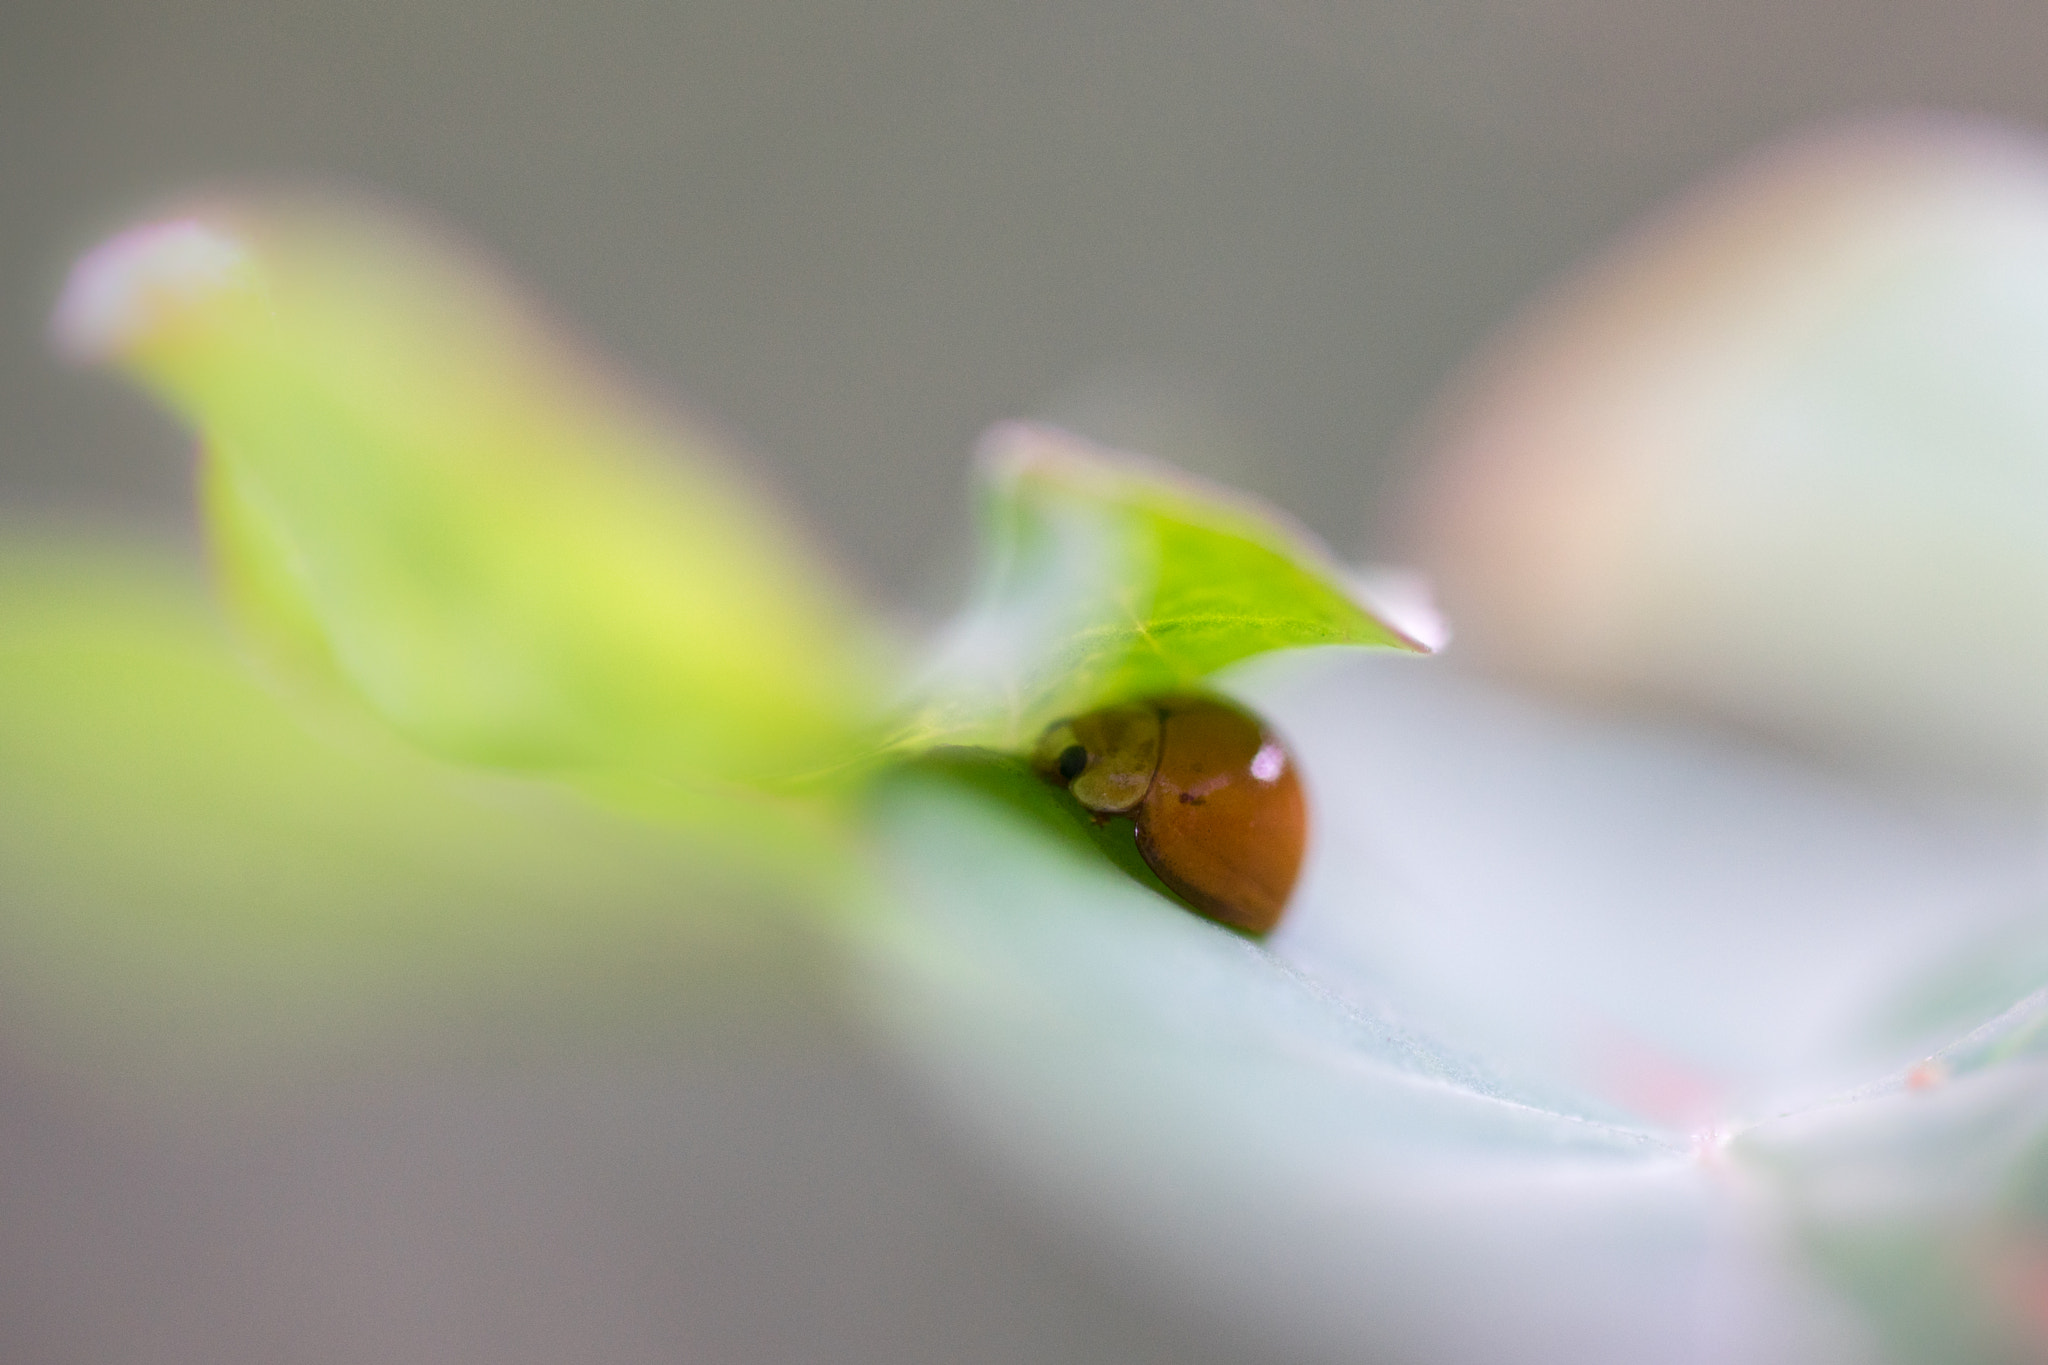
x,y
1525,1072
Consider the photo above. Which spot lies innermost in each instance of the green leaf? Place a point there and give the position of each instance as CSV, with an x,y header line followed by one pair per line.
x,y
419,491
419,497
196,885
1107,577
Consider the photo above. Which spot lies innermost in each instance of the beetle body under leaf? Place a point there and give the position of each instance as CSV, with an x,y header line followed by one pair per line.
x,y
1217,803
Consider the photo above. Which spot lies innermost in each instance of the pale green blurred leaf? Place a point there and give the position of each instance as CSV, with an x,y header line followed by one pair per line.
x,y
417,488
193,882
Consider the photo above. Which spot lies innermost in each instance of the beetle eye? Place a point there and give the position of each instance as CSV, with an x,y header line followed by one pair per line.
x,y
1104,759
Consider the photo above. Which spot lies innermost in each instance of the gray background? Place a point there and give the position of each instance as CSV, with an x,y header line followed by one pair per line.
x,y
1252,236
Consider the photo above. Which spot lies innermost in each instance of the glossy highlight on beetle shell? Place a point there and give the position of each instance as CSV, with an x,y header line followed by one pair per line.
x,y
1218,805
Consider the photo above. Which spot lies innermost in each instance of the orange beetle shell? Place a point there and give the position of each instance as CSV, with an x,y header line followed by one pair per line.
x,y
1222,820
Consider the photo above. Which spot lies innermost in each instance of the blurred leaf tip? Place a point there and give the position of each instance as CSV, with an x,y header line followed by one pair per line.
x,y
138,284
417,488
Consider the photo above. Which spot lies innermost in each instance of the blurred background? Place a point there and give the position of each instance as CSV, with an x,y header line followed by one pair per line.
x,y
1253,236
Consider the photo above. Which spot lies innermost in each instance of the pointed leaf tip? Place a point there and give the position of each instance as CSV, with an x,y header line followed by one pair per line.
x,y
1108,576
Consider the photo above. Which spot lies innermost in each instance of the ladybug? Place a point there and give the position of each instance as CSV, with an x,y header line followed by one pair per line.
x,y
1218,806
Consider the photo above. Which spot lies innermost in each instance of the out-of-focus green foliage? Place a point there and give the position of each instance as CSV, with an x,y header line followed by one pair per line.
x,y
194,881
1107,577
